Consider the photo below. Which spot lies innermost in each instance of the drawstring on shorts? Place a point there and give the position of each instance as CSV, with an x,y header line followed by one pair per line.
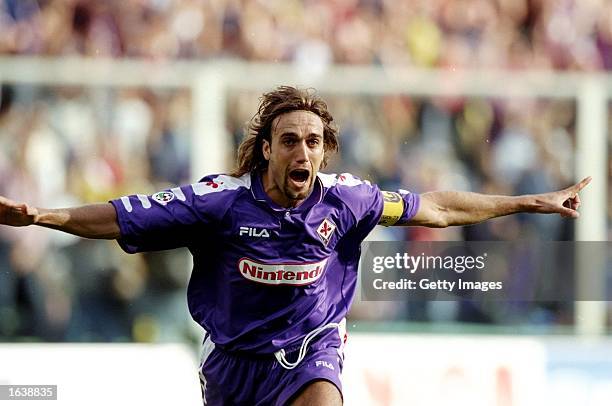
x,y
280,354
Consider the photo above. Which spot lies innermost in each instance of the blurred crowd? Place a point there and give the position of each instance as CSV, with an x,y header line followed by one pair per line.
x,y
62,146
507,34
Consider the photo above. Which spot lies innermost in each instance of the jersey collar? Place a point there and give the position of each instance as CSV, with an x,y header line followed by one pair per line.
x,y
260,194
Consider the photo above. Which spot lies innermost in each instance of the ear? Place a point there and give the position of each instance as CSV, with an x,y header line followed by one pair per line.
x,y
265,148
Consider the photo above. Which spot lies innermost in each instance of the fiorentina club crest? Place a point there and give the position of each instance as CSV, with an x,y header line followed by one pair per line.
x,y
325,230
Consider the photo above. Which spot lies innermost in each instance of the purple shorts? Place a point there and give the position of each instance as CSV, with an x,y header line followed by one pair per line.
x,y
237,379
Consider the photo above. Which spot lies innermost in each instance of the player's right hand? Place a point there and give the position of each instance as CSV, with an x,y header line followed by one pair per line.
x,y
17,214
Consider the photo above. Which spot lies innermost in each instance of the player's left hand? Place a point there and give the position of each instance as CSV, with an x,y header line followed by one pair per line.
x,y
565,202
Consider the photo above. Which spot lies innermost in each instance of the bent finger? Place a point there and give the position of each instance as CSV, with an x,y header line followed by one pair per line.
x,y
568,212
30,211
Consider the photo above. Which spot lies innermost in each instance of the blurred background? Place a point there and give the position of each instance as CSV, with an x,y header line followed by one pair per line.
x,y
101,99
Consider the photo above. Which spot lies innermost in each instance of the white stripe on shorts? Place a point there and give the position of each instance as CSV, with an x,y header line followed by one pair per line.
x,y
207,348
342,334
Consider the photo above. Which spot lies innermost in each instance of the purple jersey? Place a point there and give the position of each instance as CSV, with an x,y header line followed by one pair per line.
x,y
264,275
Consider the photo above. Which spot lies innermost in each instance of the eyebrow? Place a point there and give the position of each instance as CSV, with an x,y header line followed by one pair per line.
x,y
290,133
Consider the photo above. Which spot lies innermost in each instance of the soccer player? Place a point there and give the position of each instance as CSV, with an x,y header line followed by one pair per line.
x,y
276,246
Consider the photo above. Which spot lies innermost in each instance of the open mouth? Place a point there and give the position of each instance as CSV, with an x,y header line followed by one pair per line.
x,y
299,176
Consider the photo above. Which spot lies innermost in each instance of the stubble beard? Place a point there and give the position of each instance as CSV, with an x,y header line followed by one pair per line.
x,y
297,196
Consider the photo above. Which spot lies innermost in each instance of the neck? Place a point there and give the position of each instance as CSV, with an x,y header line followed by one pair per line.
x,y
276,194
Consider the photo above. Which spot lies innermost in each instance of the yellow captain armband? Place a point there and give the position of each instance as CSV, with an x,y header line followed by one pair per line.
x,y
393,208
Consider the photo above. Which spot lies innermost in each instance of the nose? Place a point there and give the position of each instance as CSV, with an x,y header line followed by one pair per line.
x,y
301,152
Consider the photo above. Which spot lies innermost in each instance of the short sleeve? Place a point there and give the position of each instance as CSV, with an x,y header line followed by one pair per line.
x,y
176,217
371,206
164,220
363,199
373,203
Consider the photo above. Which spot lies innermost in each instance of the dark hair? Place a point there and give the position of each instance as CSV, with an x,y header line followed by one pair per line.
x,y
283,99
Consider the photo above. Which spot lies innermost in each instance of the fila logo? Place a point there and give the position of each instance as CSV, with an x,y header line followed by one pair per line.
x,y
325,364
254,232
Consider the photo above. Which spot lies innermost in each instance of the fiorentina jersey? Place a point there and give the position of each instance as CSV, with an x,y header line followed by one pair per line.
x,y
263,276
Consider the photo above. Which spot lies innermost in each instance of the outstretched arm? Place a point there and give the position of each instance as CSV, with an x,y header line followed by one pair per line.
x,y
443,209
91,221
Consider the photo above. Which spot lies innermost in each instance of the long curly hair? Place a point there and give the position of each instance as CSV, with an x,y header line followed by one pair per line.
x,y
283,99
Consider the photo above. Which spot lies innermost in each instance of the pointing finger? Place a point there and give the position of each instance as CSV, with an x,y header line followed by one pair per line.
x,y
580,185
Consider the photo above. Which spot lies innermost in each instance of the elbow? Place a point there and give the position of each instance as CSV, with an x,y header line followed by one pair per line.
x,y
440,219
439,223
431,213
436,216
